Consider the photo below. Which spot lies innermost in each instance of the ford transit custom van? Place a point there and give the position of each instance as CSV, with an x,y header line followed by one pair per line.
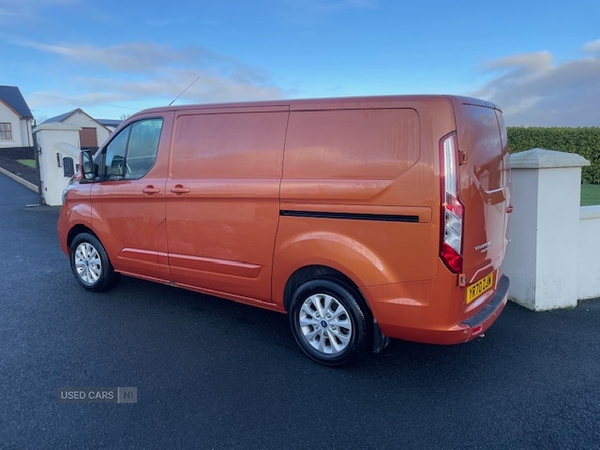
x,y
363,219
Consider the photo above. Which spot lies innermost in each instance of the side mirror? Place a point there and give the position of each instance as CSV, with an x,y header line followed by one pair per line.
x,y
86,162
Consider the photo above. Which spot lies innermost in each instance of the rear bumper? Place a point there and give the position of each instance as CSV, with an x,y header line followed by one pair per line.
x,y
422,322
487,316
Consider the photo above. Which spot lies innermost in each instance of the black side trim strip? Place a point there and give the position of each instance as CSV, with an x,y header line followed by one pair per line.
x,y
350,216
492,306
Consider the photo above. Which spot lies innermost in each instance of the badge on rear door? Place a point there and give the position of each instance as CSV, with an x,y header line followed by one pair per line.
x,y
483,247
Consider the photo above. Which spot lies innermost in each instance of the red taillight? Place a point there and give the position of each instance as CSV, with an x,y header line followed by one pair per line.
x,y
452,211
452,258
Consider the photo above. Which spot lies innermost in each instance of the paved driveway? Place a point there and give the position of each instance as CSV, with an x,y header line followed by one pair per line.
x,y
215,374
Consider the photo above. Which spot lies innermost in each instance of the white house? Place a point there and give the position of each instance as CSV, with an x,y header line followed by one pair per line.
x,y
111,124
92,133
15,119
58,155
60,140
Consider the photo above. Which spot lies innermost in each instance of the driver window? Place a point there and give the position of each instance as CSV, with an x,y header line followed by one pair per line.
x,y
132,153
115,155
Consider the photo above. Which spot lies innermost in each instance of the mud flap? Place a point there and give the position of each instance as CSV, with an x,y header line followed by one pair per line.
x,y
379,340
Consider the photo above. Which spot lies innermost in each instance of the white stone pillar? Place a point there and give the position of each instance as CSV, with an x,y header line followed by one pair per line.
x,y
541,260
55,140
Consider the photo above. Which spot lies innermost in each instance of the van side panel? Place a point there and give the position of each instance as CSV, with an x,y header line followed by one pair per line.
x,y
354,144
222,200
357,195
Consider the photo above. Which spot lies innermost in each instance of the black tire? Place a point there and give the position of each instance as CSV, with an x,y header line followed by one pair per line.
x,y
343,335
90,264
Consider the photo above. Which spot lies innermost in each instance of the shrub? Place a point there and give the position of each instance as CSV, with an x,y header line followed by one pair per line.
x,y
584,141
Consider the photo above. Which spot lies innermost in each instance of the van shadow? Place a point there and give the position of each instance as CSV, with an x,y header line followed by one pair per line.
x,y
256,326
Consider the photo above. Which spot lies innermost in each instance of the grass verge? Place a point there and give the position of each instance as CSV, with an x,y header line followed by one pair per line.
x,y
27,162
590,194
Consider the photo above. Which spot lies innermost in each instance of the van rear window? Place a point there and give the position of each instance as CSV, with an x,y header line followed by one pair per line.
x,y
362,143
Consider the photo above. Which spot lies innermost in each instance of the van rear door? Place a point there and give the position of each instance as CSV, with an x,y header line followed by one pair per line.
x,y
484,191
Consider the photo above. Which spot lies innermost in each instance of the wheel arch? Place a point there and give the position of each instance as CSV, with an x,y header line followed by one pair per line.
x,y
312,272
76,230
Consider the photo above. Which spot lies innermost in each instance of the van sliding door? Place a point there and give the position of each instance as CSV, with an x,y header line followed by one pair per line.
x,y
222,199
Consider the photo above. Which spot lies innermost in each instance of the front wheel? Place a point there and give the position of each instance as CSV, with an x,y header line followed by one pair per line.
x,y
329,322
90,264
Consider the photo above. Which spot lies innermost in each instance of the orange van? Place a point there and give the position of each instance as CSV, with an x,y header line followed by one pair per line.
x,y
363,219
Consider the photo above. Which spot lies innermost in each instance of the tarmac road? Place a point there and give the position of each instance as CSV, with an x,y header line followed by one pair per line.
x,y
212,374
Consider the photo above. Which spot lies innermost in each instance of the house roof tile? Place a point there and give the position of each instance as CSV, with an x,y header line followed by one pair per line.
x,y
110,122
12,97
61,117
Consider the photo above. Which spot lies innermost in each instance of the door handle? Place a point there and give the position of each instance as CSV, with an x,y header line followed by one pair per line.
x,y
179,189
150,190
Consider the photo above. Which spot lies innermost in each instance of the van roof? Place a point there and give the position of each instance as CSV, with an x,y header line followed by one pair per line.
x,y
330,103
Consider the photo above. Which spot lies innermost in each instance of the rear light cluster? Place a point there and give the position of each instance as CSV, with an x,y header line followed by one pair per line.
x,y
452,208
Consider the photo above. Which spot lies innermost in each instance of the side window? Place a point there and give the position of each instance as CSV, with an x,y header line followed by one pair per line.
x,y
143,146
132,153
114,160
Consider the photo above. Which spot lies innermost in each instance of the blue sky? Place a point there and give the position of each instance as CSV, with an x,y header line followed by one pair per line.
x,y
538,60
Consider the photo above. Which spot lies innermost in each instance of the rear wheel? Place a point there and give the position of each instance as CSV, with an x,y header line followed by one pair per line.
x,y
90,264
330,322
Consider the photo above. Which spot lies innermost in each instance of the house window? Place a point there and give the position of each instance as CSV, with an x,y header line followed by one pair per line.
x,y
5,132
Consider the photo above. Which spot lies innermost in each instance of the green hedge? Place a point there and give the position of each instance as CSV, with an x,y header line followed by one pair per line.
x,y
584,141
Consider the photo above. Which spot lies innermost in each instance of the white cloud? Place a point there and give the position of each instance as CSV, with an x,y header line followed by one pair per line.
x,y
533,90
592,47
131,57
151,74
165,86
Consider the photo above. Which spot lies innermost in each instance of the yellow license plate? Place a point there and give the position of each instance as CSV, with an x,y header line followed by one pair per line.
x,y
477,289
